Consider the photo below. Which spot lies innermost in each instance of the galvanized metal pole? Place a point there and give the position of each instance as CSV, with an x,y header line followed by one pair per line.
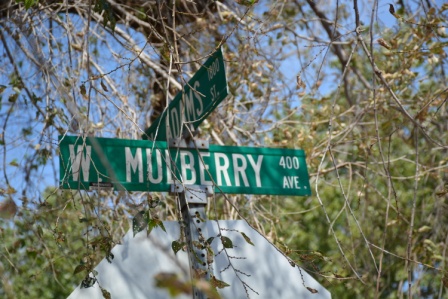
x,y
193,203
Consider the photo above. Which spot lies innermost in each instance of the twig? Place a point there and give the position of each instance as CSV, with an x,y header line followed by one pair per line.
x,y
411,225
379,74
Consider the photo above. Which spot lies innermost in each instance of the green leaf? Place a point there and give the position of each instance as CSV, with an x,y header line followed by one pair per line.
x,y
14,163
218,283
176,246
154,222
247,239
10,190
226,242
12,98
85,220
79,269
160,224
31,252
39,231
108,15
210,240
35,99
27,131
140,221
246,2
442,193
29,3
82,89
2,88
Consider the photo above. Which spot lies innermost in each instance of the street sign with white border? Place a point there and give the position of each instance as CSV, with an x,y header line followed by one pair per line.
x,y
199,97
140,165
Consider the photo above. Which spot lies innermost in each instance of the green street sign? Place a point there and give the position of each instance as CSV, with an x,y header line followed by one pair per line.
x,y
203,93
140,165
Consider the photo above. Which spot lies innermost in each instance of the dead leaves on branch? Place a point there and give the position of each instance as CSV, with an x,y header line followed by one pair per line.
x,y
176,286
383,43
246,2
300,83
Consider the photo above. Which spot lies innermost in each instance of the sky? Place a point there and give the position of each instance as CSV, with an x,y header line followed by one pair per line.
x,y
21,150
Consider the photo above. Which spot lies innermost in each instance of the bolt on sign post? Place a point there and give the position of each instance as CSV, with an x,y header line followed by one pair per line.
x,y
198,98
139,165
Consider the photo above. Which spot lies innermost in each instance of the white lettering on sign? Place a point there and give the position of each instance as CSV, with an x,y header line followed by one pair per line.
x,y
257,168
289,162
291,182
234,169
187,110
189,106
151,177
213,69
221,169
187,166
203,167
200,109
214,93
175,123
239,169
169,177
134,163
80,160
191,113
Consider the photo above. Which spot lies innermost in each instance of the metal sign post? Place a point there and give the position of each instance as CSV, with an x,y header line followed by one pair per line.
x,y
193,203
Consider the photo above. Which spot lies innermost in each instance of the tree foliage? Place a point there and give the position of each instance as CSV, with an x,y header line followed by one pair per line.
x,y
360,86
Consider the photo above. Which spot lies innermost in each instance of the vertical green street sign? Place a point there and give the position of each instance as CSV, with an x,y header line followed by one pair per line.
x,y
199,97
140,165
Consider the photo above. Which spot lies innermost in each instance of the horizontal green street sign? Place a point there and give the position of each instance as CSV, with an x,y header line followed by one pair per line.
x,y
199,97
140,165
